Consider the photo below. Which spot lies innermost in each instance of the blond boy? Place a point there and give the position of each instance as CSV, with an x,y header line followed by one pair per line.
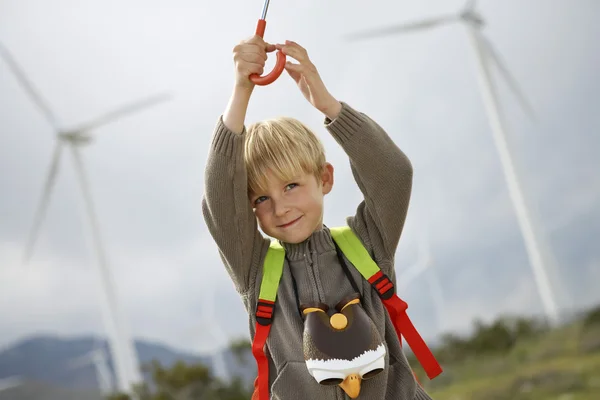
x,y
274,174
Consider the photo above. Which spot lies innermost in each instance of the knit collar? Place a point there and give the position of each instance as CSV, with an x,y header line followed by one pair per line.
x,y
319,241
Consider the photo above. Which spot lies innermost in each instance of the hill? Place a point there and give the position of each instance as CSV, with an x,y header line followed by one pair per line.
x,y
562,363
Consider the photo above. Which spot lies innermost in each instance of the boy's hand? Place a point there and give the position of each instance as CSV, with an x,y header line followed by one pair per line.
x,y
249,57
306,76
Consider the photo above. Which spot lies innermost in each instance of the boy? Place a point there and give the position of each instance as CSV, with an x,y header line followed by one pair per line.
x,y
274,173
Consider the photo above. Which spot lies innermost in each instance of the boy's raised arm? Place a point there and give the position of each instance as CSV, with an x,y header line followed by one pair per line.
x,y
225,205
382,171
383,174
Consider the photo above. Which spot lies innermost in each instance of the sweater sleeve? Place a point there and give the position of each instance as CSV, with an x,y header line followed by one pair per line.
x,y
383,174
227,211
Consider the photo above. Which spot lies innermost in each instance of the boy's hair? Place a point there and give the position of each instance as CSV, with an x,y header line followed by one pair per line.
x,y
283,145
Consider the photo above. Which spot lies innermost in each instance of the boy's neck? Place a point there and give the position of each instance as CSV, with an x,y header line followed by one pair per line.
x,y
319,241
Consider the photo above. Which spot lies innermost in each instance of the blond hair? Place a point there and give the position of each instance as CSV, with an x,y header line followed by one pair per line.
x,y
284,146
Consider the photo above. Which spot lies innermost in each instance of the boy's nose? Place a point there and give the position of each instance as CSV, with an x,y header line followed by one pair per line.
x,y
280,209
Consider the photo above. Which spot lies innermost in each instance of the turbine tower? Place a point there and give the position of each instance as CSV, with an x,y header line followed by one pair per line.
x,y
485,55
424,265
122,348
212,326
98,358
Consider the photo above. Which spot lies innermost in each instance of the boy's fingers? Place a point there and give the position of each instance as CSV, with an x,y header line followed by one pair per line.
x,y
255,58
297,47
294,44
294,74
246,48
295,53
255,69
256,40
290,66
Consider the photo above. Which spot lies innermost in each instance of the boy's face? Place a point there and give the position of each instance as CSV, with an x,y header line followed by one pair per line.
x,y
292,211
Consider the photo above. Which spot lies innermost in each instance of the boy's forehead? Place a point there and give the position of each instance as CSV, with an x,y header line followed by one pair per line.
x,y
271,179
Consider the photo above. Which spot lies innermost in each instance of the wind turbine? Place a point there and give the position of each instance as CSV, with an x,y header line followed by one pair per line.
x,y
424,265
122,347
485,56
212,326
98,358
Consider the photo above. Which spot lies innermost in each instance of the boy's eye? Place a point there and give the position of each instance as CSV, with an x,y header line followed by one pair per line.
x,y
291,186
260,199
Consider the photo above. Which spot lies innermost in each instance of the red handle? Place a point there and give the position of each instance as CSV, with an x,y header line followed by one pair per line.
x,y
279,65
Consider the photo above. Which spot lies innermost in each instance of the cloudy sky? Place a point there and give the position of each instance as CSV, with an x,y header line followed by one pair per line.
x,y
88,57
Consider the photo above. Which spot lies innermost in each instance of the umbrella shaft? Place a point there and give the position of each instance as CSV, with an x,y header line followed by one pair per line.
x,y
265,8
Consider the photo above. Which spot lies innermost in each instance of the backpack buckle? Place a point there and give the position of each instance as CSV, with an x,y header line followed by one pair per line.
x,y
264,312
384,286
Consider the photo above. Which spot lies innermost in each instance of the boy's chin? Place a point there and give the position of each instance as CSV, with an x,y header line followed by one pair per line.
x,y
292,237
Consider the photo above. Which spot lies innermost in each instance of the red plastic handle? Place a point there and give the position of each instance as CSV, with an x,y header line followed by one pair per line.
x,y
279,65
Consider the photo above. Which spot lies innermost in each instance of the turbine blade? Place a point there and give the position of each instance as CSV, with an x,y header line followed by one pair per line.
x,y
492,56
22,79
402,28
470,5
437,292
44,201
411,274
123,111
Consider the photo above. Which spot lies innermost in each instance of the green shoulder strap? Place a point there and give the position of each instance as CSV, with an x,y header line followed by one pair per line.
x,y
354,250
272,271
349,243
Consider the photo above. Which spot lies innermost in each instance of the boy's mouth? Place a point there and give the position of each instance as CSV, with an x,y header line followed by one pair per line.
x,y
289,223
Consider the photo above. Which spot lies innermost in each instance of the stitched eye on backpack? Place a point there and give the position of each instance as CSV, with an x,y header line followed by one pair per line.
x,y
313,307
347,301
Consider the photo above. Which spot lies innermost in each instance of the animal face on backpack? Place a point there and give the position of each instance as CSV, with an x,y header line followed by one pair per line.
x,y
342,348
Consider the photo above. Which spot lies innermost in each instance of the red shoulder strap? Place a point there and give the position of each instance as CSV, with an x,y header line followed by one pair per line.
x,y
264,317
404,327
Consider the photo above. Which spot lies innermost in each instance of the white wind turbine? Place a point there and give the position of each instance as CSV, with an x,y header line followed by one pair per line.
x,y
122,348
424,265
99,359
485,56
212,326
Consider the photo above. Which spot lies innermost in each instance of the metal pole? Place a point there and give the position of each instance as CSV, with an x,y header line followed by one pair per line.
x,y
265,9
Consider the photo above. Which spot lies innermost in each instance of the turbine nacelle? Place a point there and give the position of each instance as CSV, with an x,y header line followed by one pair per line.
x,y
77,138
472,17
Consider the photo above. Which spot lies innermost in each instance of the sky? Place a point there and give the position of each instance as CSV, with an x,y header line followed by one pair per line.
x,y
146,171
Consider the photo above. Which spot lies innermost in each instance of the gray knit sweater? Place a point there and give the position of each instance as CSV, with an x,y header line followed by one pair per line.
x,y
384,175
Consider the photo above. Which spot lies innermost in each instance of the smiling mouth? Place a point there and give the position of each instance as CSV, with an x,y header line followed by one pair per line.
x,y
290,223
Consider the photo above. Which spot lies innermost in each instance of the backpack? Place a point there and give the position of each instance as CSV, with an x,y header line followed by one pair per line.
x,y
357,254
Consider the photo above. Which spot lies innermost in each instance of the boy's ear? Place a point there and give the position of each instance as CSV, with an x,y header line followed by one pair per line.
x,y
327,178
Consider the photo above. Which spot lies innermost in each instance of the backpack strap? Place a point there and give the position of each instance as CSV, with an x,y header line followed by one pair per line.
x,y
358,255
272,271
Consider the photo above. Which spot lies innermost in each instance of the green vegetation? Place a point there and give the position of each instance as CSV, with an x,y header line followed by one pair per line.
x,y
517,358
